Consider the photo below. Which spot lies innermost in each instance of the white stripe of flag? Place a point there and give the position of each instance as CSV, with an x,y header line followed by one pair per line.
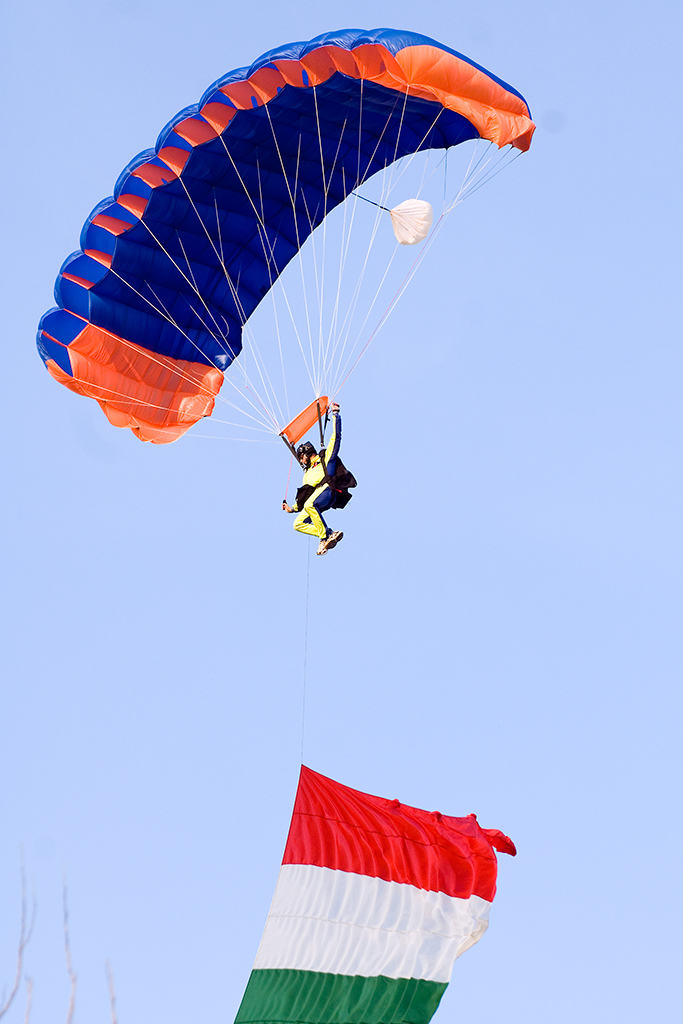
x,y
337,922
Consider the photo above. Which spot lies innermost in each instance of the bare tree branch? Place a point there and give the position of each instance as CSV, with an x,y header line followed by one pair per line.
x,y
67,950
29,997
112,994
25,932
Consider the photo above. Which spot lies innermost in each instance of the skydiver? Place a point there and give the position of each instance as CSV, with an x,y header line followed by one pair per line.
x,y
315,495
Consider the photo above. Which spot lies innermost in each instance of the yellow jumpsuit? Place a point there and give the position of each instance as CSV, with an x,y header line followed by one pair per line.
x,y
309,519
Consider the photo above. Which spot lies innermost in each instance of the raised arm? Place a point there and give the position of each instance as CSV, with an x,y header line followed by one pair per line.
x,y
335,440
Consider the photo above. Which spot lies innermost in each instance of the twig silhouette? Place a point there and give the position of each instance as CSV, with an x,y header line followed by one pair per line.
x,y
67,950
29,997
25,932
112,994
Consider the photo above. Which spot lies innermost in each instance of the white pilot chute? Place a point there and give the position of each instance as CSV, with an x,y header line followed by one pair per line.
x,y
411,221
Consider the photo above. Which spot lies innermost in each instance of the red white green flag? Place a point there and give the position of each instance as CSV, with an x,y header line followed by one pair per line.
x,y
374,902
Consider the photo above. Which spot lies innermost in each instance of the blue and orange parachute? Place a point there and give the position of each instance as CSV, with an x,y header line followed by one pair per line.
x,y
150,309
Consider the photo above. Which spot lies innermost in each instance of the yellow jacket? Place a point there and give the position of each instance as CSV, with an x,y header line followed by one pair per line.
x,y
314,476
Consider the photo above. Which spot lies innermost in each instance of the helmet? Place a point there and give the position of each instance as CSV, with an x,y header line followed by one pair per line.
x,y
305,449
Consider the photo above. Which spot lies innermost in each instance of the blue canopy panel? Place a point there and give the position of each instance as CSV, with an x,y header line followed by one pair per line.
x,y
198,230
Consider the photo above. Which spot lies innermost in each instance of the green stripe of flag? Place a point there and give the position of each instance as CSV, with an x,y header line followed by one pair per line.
x,y
309,997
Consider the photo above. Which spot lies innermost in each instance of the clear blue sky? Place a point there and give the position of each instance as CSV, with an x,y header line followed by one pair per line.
x,y
498,633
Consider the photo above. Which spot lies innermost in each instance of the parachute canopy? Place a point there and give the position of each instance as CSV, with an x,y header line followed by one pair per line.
x,y
374,902
150,309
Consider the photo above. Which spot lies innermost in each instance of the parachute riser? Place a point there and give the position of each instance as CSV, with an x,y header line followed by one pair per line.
x,y
293,451
291,447
322,437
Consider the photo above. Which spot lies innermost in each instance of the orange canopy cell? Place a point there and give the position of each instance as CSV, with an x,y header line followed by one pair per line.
x,y
305,420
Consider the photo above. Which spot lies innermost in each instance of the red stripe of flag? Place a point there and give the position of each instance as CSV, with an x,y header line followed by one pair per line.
x,y
336,827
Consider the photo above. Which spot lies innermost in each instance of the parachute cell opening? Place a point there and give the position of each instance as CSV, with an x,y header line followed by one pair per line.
x,y
306,419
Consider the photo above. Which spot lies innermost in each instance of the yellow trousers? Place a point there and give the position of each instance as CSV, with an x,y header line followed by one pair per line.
x,y
309,519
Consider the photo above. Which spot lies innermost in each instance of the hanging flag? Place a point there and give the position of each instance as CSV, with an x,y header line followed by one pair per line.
x,y
373,903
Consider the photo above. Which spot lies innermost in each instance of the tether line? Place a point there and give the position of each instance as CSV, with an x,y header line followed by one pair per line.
x,y
357,195
303,694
